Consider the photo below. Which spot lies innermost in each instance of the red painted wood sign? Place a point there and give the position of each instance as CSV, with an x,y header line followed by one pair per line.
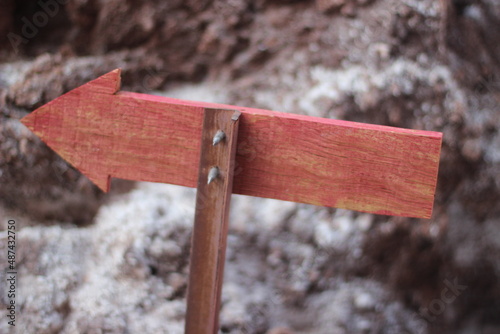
x,y
105,132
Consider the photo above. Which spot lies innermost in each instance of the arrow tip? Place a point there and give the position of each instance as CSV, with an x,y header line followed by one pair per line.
x,y
29,121
108,83
58,122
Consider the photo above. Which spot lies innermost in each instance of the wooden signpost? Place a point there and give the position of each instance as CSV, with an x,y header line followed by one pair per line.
x,y
221,149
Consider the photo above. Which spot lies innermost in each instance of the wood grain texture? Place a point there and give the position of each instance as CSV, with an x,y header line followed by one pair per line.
x,y
356,166
208,246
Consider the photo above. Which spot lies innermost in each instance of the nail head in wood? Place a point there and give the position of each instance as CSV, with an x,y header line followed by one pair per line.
x,y
219,136
213,174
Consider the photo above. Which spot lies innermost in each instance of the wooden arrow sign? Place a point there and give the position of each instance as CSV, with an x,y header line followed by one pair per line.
x,y
106,133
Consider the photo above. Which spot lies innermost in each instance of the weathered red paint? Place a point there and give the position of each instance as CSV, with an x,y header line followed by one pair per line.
x,y
106,133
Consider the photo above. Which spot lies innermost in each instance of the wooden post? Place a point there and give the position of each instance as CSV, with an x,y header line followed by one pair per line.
x,y
208,247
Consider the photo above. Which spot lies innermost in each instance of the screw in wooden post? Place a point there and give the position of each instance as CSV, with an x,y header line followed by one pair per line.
x,y
219,136
208,244
213,174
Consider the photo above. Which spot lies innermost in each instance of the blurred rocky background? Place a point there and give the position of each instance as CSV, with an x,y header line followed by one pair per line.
x,y
117,263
